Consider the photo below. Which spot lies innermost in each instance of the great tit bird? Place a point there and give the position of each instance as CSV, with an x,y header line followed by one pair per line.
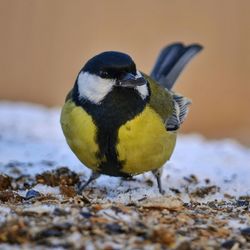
x,y
119,121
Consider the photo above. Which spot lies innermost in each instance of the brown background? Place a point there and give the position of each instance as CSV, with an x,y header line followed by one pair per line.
x,y
44,43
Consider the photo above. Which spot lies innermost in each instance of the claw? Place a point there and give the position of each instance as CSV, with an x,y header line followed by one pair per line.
x,y
82,186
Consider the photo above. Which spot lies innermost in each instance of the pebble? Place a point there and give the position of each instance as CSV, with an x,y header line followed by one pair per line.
x,y
246,233
32,194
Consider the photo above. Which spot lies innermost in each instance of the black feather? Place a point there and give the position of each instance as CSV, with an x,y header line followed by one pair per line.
x,y
172,61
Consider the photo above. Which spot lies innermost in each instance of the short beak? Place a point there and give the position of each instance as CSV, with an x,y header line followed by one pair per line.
x,y
131,81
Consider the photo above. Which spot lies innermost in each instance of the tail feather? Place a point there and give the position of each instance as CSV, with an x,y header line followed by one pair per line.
x,y
171,62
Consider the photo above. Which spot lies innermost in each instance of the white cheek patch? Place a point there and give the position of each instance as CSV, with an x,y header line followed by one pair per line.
x,y
138,74
143,90
93,88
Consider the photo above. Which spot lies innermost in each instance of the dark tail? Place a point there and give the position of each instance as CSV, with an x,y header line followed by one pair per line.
x,y
171,62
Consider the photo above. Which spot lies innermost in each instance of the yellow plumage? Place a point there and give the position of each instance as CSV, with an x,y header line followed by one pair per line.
x,y
143,143
80,133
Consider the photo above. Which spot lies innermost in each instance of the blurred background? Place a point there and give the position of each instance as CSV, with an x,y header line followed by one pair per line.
x,y
44,44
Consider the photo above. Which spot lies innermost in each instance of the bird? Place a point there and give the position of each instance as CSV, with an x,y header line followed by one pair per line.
x,y
121,122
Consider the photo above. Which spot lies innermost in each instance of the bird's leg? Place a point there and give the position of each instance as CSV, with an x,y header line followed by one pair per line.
x,y
92,177
157,174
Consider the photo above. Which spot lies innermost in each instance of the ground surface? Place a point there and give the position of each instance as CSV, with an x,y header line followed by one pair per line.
x,y
206,205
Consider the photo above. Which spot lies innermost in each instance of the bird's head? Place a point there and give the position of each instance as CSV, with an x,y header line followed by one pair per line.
x,y
106,71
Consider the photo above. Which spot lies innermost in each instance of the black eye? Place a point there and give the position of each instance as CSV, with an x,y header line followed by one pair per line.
x,y
103,73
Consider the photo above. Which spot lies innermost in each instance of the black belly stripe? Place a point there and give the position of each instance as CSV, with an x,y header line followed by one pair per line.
x,y
118,107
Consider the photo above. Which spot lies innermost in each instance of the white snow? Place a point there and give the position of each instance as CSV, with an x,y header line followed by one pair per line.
x,y
44,189
31,139
4,211
43,208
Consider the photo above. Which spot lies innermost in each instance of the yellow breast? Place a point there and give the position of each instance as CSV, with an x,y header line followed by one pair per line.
x,y
144,144
80,132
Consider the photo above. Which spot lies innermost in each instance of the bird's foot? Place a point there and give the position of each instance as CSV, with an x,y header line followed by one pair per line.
x,y
82,186
157,174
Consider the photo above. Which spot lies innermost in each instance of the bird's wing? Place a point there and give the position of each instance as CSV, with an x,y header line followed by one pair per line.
x,y
172,107
180,111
